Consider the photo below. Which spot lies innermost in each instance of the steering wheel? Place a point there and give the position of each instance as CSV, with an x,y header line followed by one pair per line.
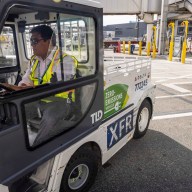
x,y
5,88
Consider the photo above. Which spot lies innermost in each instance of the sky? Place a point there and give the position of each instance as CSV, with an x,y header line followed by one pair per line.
x,y
117,19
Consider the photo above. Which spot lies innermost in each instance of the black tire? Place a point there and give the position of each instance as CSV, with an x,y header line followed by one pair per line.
x,y
87,161
143,117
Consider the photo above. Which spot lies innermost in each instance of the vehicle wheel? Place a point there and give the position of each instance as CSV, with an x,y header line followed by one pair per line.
x,y
80,172
143,118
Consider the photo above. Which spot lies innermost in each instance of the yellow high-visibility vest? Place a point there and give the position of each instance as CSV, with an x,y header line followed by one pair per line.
x,y
46,77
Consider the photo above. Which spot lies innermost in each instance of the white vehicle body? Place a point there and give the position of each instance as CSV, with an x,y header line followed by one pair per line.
x,y
132,73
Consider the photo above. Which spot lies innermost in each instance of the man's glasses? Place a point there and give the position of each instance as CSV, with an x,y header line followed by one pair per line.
x,y
35,41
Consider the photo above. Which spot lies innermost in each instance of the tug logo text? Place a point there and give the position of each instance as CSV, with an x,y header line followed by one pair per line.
x,y
96,116
118,129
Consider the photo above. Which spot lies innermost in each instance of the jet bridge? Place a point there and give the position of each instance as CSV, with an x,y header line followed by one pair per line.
x,y
131,6
128,7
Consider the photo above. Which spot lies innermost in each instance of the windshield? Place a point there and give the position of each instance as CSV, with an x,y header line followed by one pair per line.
x,y
74,36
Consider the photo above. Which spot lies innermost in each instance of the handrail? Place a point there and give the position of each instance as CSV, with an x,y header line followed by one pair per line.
x,y
126,66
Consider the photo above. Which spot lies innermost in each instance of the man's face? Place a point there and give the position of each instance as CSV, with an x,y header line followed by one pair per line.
x,y
39,45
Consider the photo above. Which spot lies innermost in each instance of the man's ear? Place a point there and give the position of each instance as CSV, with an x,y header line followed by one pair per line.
x,y
49,42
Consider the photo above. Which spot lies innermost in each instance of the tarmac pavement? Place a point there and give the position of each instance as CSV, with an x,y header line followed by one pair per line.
x,y
162,159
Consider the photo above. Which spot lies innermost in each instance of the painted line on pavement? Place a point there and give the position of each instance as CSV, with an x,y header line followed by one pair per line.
x,y
177,88
172,116
161,77
181,83
163,80
155,68
172,78
170,73
172,96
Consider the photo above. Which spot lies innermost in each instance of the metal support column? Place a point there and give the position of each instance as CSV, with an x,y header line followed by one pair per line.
x,y
149,34
163,26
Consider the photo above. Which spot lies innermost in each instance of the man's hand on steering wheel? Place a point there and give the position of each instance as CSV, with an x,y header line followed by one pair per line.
x,y
9,88
6,87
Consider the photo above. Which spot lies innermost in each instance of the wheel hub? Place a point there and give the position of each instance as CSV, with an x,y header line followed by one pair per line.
x,y
143,119
78,176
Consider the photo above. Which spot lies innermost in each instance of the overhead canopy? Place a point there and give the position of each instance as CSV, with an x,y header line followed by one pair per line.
x,y
144,8
131,6
124,6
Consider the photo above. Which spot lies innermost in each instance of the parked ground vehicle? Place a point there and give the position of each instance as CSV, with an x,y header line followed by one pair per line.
x,y
115,103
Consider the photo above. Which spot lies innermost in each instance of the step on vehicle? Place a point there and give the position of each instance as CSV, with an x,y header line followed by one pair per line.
x,y
113,100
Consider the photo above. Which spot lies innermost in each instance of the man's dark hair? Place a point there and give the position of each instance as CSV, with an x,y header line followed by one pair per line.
x,y
46,33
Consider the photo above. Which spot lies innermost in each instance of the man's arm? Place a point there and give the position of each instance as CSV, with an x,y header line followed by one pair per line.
x,y
9,87
26,81
68,66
